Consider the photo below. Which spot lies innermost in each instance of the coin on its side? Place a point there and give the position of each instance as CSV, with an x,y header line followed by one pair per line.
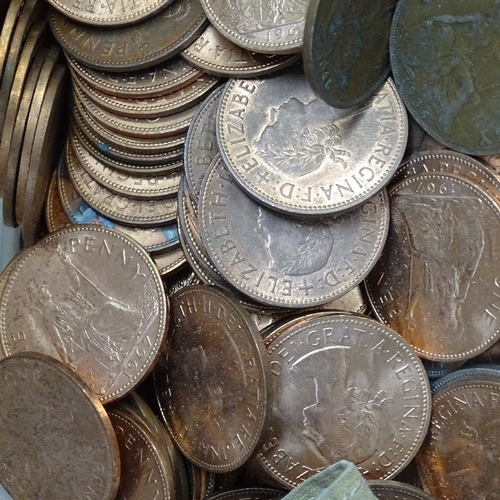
x,y
56,440
8,26
92,298
170,262
282,260
394,490
436,282
296,154
55,217
345,387
213,365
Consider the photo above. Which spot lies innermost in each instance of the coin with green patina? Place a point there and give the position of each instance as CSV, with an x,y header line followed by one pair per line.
x,y
444,58
346,49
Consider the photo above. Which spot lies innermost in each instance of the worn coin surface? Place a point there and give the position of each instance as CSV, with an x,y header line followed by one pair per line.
x,y
266,26
443,58
8,27
160,79
287,261
345,387
214,365
109,14
56,440
217,55
92,298
459,457
436,282
134,47
395,490
346,49
294,153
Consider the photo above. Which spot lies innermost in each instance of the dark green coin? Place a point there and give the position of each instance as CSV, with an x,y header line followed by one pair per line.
x,y
445,62
346,49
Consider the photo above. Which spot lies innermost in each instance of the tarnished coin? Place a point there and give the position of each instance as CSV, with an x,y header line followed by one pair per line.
x,y
127,211
345,387
92,298
459,457
210,333
287,261
109,14
268,27
217,55
436,282
346,49
55,216
152,239
294,153
13,10
134,47
133,186
443,58
145,470
161,79
56,440
201,143
249,494
394,490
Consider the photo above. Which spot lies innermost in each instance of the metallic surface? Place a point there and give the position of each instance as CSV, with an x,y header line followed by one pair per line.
x,y
394,490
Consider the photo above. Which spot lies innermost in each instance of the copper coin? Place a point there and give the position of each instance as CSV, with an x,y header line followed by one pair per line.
x,y
217,55
134,47
270,27
441,293
161,79
294,153
459,457
133,186
346,49
394,490
106,14
287,261
55,217
56,440
127,211
345,387
145,470
211,332
91,297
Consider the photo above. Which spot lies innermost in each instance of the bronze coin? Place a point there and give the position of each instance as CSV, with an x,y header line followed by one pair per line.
x,y
91,297
12,12
211,332
441,293
55,216
56,440
394,490
134,47
161,79
346,49
345,387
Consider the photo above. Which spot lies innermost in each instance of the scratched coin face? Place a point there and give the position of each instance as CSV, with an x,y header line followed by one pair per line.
x,y
92,298
345,387
212,384
56,440
287,261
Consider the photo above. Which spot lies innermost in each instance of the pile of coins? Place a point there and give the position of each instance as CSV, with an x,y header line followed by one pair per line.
x,y
242,265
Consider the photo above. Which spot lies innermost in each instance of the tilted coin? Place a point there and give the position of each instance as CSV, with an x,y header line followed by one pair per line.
x,y
346,49
56,440
160,79
249,494
475,373
210,333
443,58
345,387
106,14
170,262
134,47
287,261
201,143
133,186
92,298
459,457
268,27
394,490
55,217
145,470
152,239
294,153
435,282
217,55
201,482
127,211
13,10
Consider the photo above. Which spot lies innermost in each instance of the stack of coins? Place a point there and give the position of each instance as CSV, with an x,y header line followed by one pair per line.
x,y
258,264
